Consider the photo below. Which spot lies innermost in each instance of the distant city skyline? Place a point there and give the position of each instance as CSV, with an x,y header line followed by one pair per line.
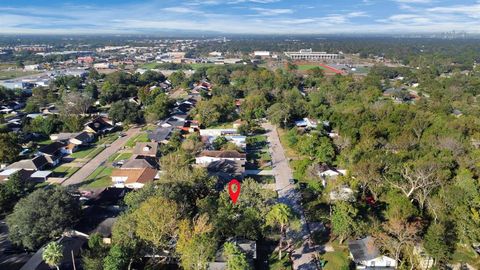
x,y
239,16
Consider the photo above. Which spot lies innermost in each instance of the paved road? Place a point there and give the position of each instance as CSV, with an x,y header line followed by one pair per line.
x,y
303,256
98,160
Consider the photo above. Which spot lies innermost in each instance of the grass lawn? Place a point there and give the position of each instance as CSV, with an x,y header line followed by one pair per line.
x,y
109,138
119,156
99,178
336,260
308,67
87,152
65,171
151,65
11,74
223,125
466,255
142,137
257,142
289,152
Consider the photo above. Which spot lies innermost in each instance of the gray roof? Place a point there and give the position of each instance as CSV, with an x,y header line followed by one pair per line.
x,y
160,134
363,249
146,149
36,163
140,163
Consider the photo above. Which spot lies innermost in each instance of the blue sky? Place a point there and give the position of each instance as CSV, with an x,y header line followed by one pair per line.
x,y
239,16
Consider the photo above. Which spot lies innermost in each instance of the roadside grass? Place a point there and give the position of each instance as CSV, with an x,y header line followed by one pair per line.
x,y
65,171
99,178
119,156
142,137
88,153
289,152
263,179
107,139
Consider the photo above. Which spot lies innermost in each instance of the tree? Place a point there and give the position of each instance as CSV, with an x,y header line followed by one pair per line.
x,y
160,107
92,258
435,242
117,259
156,222
76,103
53,254
280,214
9,147
12,190
236,259
31,226
196,244
343,220
125,111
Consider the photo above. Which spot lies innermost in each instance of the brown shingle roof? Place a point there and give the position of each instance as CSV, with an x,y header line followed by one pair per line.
x,y
144,175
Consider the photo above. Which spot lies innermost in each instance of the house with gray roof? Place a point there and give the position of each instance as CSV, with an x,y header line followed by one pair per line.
x,y
366,255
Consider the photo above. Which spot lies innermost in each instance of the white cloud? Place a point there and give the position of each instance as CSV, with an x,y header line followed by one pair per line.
x,y
472,11
414,1
272,11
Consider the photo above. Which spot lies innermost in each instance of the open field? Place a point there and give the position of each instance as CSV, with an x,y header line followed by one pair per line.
x,y
12,74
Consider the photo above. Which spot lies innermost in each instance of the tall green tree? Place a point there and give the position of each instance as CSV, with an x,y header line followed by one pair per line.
x,y
343,220
9,147
31,226
280,215
236,259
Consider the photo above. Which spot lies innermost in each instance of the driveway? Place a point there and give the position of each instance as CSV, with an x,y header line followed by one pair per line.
x,y
87,169
302,257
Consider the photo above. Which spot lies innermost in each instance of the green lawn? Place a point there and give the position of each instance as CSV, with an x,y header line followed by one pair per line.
x,y
65,171
337,260
119,156
107,139
11,74
87,152
466,255
222,125
308,67
257,142
99,178
142,137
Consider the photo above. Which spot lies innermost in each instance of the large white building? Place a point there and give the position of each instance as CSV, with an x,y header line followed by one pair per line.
x,y
308,54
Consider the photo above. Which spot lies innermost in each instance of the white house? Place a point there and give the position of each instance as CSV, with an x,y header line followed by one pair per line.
x,y
327,173
218,132
367,256
207,157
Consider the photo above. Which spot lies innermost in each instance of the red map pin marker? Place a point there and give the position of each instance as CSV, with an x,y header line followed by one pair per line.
x,y
234,190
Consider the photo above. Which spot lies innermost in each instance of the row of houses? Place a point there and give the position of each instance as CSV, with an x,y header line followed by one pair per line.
x,y
49,156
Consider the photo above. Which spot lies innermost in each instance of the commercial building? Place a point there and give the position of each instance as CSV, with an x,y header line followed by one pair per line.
x,y
309,55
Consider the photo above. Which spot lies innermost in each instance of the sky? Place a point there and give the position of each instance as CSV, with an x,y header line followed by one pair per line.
x,y
239,16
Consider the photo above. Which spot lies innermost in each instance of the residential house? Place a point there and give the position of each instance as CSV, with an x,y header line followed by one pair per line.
x,y
326,173
133,178
366,255
246,246
307,123
160,135
225,170
147,149
206,157
35,164
136,172
54,152
99,125
342,193
218,132
22,173
79,138
71,242
40,176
